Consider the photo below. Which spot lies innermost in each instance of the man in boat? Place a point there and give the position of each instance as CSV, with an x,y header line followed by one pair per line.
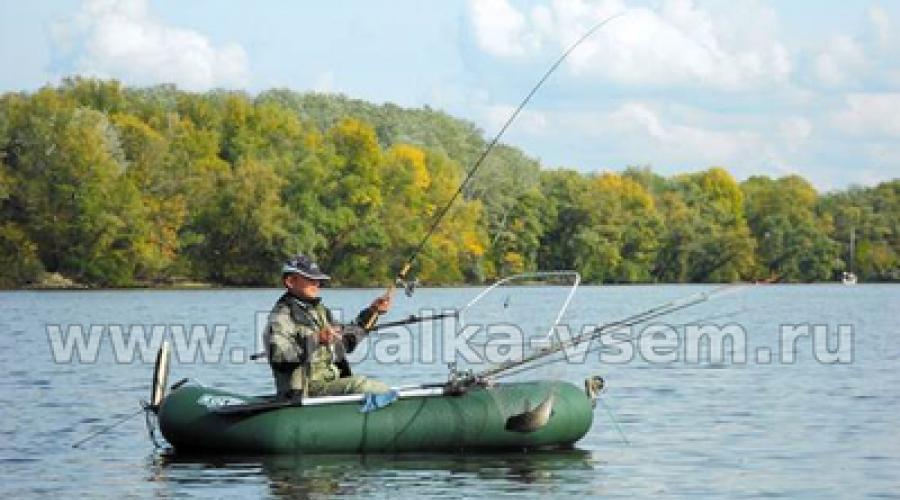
x,y
305,347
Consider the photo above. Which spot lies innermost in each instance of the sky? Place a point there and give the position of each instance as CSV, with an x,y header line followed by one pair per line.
x,y
757,87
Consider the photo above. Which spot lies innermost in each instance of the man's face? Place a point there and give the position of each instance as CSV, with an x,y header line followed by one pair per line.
x,y
302,286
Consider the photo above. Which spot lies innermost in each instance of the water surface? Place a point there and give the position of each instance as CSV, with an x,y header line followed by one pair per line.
x,y
799,430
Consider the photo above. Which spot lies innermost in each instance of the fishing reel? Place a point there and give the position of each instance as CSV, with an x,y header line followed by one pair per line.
x,y
460,380
408,285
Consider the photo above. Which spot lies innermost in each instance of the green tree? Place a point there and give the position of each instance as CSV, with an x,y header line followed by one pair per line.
x,y
163,202
564,215
707,237
619,241
112,185
245,227
792,244
19,262
873,214
456,251
73,197
351,196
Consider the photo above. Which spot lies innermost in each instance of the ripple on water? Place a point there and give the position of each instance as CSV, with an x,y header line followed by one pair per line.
x,y
805,430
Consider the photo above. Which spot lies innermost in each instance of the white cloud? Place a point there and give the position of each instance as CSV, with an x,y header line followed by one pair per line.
x,y
681,142
528,121
500,29
122,39
324,82
677,44
865,59
674,139
830,117
795,129
841,63
887,51
881,22
870,114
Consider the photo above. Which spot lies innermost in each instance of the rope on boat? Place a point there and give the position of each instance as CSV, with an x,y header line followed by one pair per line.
x,y
615,422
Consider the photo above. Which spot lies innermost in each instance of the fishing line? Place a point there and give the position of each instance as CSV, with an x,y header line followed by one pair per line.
x,y
615,422
533,366
499,135
713,317
526,364
107,428
401,276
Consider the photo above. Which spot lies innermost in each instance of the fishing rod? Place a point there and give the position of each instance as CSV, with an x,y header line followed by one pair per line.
x,y
510,368
574,341
404,270
534,366
411,319
415,319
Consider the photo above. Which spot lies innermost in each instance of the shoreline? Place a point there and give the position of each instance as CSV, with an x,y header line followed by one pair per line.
x,y
202,286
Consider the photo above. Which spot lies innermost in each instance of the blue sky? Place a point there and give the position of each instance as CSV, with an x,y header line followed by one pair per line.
x,y
758,87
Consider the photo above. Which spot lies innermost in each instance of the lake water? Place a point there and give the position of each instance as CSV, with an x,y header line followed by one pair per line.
x,y
708,428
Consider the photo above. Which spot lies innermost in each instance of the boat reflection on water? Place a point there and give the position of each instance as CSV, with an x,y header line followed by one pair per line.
x,y
304,475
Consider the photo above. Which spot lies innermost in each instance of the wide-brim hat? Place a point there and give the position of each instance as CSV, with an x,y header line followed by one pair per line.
x,y
304,266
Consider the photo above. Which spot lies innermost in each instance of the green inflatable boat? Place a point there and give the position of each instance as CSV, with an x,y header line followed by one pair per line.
x,y
514,416
471,411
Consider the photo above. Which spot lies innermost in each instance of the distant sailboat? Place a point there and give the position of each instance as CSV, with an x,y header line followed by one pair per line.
x,y
849,277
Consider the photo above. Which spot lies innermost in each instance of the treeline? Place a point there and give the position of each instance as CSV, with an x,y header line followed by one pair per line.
x,y
116,186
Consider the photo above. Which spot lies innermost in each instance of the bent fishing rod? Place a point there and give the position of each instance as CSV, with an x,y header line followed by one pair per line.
x,y
404,270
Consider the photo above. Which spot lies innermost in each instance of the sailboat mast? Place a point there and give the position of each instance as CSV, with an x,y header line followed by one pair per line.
x,y
852,246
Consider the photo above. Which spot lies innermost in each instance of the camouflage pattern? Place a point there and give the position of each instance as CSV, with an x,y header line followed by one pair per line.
x,y
300,365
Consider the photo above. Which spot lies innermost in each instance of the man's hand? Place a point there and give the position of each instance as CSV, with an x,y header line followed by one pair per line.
x,y
382,304
328,335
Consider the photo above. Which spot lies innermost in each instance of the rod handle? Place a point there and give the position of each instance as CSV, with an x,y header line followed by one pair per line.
x,y
373,318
